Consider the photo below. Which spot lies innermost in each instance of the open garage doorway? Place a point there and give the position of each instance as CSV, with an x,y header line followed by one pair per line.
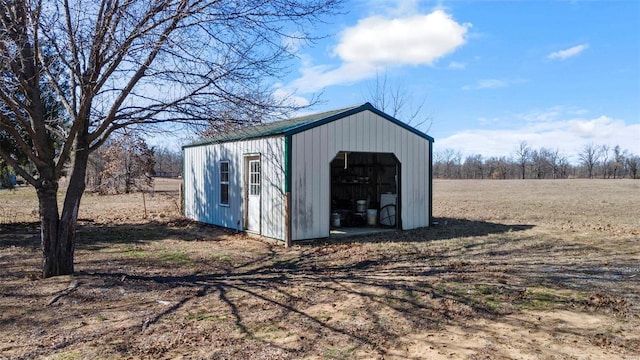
x,y
365,193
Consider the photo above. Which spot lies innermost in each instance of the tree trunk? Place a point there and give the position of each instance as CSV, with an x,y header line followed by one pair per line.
x,y
56,260
58,232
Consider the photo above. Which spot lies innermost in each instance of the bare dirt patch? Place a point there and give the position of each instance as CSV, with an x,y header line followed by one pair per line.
x,y
515,269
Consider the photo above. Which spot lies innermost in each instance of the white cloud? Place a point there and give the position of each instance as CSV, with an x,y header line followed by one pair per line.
x,y
567,53
568,135
318,77
545,115
293,42
487,84
289,98
417,39
376,42
601,127
454,65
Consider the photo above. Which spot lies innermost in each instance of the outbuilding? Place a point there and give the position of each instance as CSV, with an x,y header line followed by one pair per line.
x,y
299,178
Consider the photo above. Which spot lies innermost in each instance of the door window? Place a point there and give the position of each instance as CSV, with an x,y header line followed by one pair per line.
x,y
254,177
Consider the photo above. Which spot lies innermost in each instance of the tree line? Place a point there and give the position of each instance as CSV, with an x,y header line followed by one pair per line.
x,y
526,162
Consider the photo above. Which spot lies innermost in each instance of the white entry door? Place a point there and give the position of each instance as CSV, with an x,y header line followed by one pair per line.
x,y
253,196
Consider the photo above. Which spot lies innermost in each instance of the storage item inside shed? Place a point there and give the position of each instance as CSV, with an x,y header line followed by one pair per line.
x,y
358,181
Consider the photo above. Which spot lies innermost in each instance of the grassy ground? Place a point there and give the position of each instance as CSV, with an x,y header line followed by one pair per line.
x,y
514,269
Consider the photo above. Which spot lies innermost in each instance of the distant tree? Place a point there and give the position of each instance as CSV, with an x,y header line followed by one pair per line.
x,y
129,64
451,164
168,163
96,166
605,163
563,167
589,156
129,164
397,101
632,163
523,156
5,176
539,163
473,167
497,167
619,156
556,162
447,164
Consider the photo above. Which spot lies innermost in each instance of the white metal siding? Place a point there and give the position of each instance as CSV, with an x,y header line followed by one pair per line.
x,y
202,185
313,150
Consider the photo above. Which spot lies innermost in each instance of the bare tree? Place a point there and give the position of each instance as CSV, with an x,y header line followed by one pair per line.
x,y
557,163
473,167
539,163
168,162
497,167
396,100
605,164
589,158
129,164
448,164
117,64
619,157
632,163
523,156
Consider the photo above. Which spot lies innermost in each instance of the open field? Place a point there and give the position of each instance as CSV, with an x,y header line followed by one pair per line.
x,y
515,269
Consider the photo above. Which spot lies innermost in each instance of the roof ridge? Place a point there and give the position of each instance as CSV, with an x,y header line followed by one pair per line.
x,y
273,127
299,124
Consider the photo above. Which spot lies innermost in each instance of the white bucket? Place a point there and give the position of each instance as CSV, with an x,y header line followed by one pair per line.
x,y
372,216
335,219
361,206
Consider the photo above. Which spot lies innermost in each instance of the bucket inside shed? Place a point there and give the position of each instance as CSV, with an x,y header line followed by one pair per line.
x,y
360,183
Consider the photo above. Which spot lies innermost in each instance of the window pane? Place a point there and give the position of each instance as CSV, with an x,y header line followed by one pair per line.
x,y
224,171
224,193
224,182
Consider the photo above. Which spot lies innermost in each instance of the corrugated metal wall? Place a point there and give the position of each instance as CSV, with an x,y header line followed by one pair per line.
x,y
202,184
313,150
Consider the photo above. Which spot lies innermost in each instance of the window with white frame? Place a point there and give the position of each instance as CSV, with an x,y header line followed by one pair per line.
x,y
224,182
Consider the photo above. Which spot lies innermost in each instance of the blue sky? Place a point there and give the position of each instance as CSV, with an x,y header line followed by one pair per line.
x,y
557,74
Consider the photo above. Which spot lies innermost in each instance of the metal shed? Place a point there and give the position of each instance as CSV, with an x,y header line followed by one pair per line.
x,y
297,179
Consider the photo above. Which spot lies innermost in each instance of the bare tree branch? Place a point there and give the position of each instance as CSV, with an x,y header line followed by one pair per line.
x,y
73,72
395,100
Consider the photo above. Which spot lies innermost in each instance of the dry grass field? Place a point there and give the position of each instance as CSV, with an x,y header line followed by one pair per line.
x,y
513,270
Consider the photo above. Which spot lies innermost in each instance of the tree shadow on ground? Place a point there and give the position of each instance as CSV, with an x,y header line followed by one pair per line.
x,y
395,294
363,294
95,236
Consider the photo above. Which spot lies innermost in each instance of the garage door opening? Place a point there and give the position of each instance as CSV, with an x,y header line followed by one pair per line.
x,y
365,193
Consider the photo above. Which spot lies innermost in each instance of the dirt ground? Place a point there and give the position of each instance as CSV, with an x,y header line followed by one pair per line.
x,y
513,270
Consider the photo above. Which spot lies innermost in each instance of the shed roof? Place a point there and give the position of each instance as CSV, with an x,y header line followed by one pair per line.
x,y
299,124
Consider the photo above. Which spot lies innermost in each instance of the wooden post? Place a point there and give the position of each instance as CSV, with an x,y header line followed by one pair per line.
x,y
181,198
144,204
287,220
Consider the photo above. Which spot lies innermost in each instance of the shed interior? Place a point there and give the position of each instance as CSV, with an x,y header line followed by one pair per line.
x,y
365,190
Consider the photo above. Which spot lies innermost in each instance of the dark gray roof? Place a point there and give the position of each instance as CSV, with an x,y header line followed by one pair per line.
x,y
296,125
